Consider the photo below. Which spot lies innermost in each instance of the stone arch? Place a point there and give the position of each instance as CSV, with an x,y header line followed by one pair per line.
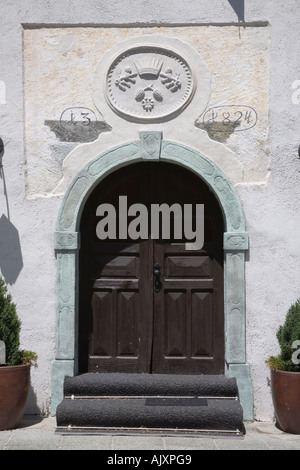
x,y
67,244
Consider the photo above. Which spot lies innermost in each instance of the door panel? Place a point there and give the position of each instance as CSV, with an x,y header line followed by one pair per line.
x,y
174,313
187,266
116,311
120,266
125,325
101,344
188,306
188,310
202,321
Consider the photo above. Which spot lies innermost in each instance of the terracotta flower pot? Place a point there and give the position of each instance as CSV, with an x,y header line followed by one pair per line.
x,y
14,389
286,395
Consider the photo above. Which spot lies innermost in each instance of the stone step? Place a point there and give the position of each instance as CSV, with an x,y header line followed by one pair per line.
x,y
187,415
121,384
150,403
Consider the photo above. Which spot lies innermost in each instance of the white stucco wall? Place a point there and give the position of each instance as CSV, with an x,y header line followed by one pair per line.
x,y
268,157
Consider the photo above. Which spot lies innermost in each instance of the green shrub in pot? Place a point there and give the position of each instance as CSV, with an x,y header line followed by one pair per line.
x,y
285,372
15,374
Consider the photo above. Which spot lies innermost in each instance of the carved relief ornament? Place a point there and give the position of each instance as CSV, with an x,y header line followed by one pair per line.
x,y
149,83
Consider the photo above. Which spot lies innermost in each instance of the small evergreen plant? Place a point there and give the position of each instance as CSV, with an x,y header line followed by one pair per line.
x,y
10,326
286,335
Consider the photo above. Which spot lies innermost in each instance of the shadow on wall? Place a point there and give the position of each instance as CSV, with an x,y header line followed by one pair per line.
x,y
239,8
31,405
11,262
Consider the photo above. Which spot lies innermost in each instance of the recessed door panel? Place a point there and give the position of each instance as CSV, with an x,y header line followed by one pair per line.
x,y
174,324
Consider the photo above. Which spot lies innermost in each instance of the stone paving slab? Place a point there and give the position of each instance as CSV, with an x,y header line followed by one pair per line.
x,y
39,434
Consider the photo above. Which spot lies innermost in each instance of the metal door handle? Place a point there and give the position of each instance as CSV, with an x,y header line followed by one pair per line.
x,y
156,272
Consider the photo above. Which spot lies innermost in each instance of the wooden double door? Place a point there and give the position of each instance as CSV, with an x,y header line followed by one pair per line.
x,y
151,305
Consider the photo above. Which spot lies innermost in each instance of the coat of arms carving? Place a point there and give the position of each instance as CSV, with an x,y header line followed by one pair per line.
x,y
149,83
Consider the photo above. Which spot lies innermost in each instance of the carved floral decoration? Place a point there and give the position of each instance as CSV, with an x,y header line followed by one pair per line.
x,y
168,79
153,79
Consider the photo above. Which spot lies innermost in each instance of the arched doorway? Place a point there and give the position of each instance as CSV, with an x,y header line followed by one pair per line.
x,y
67,247
151,305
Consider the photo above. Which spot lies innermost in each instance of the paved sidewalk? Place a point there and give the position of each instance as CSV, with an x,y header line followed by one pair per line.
x,y
39,434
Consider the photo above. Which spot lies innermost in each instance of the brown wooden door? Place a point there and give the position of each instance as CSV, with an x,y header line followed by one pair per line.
x,y
125,325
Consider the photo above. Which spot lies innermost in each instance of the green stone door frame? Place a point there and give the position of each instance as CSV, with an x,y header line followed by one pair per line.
x,y
152,147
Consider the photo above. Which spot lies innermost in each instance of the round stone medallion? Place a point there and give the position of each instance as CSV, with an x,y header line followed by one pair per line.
x,y
149,83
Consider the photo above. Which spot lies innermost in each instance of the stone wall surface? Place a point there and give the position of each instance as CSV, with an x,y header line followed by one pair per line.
x,y
51,56
60,116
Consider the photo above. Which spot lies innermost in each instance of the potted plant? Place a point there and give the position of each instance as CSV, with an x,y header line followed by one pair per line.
x,y
285,372
15,373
